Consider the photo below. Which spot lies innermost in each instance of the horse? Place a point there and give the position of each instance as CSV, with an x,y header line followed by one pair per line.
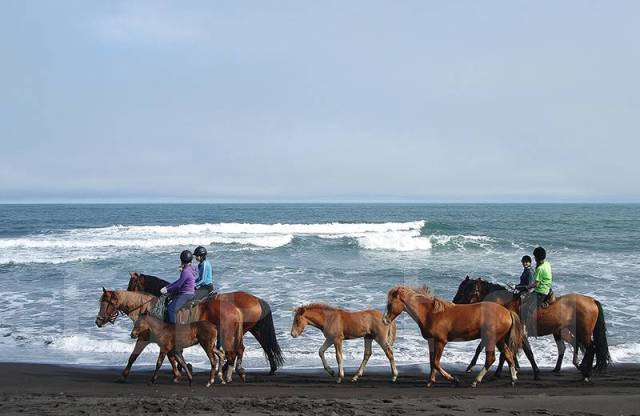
x,y
575,318
441,321
256,314
172,339
226,317
338,324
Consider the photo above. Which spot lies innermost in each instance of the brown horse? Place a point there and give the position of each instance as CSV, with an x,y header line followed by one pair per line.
x,y
256,314
226,317
575,318
338,325
441,321
172,339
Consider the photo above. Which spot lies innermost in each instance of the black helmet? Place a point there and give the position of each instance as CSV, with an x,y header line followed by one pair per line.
x,y
539,253
200,251
186,257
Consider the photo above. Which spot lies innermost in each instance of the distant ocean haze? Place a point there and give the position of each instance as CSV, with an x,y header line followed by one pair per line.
x,y
54,259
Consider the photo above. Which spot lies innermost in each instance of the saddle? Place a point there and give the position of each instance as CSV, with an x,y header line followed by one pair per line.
x,y
185,315
549,300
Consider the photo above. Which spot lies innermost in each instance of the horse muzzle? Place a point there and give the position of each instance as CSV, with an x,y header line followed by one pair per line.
x,y
99,322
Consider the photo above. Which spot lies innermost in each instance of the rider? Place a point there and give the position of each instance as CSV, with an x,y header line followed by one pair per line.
x,y
542,277
183,288
541,285
526,278
204,282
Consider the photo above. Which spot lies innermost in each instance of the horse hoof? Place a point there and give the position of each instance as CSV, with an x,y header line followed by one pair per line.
x,y
339,381
456,382
121,380
353,380
430,384
513,384
474,384
176,380
586,380
555,370
393,379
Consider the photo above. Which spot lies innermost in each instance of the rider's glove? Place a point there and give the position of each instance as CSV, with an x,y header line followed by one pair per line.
x,y
163,290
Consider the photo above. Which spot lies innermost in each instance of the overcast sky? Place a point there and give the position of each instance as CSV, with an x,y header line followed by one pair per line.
x,y
320,100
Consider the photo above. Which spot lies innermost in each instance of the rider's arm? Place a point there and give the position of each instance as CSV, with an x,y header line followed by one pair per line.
x,y
177,285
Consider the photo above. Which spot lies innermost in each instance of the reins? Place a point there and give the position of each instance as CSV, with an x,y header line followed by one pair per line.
x,y
112,318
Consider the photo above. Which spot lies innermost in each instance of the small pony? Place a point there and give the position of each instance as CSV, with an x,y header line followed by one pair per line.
x,y
172,339
338,324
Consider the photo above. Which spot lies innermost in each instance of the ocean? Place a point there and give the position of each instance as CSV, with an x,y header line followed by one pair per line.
x,y
54,260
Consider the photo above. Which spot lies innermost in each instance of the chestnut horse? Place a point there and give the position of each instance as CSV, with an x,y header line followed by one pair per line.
x,y
338,324
172,340
576,318
441,321
226,317
256,314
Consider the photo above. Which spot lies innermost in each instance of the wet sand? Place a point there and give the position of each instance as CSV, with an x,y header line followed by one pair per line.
x,y
46,389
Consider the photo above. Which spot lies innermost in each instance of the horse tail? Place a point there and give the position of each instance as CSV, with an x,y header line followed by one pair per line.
x,y
515,336
265,333
391,333
603,358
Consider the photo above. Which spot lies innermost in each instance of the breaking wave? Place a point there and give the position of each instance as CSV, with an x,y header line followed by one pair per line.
x,y
98,243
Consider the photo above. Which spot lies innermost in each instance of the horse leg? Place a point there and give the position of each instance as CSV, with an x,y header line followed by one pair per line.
x,y
475,357
174,367
239,370
180,359
561,349
490,358
436,361
432,365
509,356
321,352
529,353
389,353
367,354
498,372
159,361
339,359
137,349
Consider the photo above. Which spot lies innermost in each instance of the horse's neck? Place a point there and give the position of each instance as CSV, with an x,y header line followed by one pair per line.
x,y
317,318
419,309
502,297
134,303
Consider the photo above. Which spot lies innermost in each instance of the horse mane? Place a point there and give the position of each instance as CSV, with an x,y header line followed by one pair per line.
x,y
491,287
321,306
425,291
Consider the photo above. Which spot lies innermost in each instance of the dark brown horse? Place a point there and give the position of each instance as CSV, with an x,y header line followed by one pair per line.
x,y
574,318
256,314
441,321
224,315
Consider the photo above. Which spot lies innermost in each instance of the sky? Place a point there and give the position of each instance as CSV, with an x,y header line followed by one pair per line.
x,y
205,101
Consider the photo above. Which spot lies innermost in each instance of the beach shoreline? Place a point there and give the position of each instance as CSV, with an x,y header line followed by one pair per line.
x,y
69,390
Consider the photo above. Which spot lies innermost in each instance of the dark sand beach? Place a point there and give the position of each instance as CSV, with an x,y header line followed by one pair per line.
x,y
57,390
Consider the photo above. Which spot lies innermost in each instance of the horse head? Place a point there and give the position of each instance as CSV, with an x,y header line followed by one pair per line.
x,y
299,321
136,282
468,291
108,312
395,304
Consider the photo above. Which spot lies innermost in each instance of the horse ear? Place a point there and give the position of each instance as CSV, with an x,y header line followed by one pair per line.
x,y
104,290
133,274
466,278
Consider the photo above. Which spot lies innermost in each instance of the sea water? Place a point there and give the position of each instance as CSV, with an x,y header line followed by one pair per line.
x,y
54,260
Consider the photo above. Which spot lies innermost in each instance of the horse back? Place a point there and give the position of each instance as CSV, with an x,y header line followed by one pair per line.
x,y
357,324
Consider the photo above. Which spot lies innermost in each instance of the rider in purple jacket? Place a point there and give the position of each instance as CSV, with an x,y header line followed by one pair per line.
x,y
183,288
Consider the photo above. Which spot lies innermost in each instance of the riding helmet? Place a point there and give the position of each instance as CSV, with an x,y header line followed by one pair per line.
x,y
539,253
186,257
200,251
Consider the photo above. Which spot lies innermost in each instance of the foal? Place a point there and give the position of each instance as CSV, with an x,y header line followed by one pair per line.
x,y
173,338
337,325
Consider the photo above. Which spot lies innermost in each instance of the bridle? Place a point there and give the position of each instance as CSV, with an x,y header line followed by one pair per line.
x,y
111,319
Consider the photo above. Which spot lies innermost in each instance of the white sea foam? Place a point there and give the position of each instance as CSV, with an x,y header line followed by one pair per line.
x,y
98,243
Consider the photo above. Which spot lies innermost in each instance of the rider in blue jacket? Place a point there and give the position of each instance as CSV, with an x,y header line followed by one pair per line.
x,y
204,282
